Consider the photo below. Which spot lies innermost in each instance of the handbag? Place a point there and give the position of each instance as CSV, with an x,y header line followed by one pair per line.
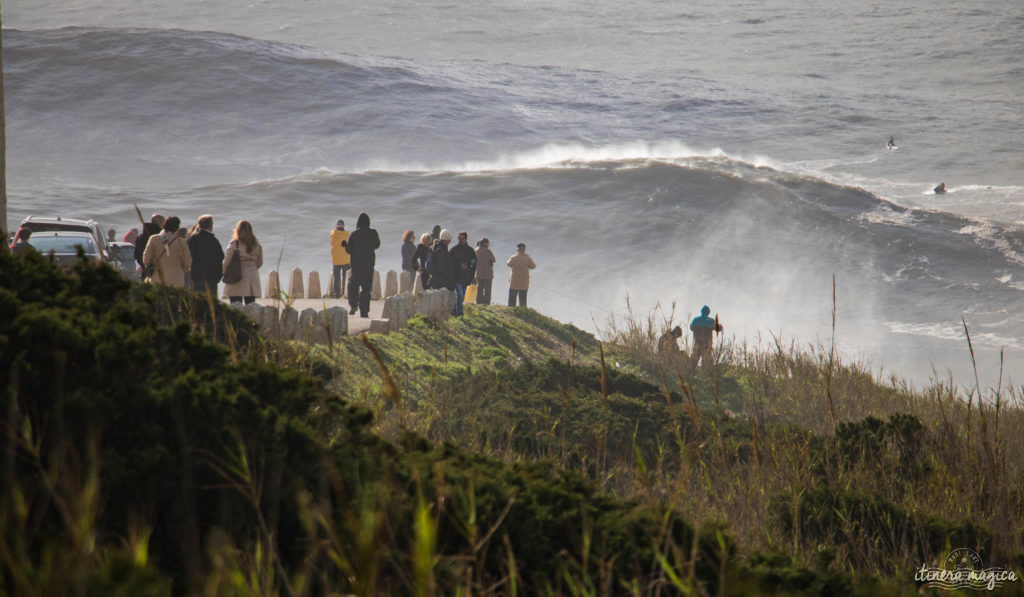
x,y
233,272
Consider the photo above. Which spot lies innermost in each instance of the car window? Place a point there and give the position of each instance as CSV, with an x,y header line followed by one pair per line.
x,y
63,244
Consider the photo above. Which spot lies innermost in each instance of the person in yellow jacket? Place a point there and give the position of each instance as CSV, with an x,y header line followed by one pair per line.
x,y
339,257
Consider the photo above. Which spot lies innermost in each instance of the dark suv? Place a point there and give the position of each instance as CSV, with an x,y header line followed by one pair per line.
x,y
119,255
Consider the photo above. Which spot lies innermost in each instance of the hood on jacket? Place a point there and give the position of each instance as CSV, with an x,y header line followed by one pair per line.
x,y
705,310
363,221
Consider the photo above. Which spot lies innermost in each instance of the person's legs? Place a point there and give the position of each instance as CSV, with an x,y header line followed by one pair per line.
x,y
483,292
250,300
365,287
353,294
336,287
344,274
460,296
235,299
522,298
512,294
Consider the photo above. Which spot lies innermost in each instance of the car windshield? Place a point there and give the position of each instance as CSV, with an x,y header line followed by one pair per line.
x,y
63,244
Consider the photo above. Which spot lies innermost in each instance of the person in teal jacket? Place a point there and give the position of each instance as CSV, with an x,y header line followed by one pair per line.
x,y
703,329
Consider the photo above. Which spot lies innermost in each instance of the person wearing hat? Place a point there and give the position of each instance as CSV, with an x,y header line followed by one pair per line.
x,y
519,278
484,271
703,328
339,257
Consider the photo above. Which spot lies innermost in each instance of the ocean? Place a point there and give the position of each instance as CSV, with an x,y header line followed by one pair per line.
x,y
648,153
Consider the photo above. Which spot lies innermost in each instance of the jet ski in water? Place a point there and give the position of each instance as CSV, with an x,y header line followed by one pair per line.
x,y
940,189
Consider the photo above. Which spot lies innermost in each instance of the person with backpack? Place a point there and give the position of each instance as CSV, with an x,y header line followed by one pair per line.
x,y
168,256
362,247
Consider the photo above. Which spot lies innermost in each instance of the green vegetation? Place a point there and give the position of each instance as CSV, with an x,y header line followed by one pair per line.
x,y
156,444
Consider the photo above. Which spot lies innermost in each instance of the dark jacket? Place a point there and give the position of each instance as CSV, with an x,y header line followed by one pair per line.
x,y
408,250
443,275
463,264
419,261
207,260
362,246
419,258
148,230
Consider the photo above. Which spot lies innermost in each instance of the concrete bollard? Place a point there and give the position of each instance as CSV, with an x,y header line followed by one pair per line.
x,y
270,324
336,322
273,285
390,311
380,326
390,284
295,289
375,292
417,286
253,311
398,309
405,309
405,282
308,323
289,323
421,304
313,288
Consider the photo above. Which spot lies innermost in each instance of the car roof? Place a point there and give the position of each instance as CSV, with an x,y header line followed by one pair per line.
x,y
58,221
38,233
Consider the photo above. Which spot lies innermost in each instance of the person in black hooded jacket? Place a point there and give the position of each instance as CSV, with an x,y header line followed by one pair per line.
x,y
361,246
442,275
150,228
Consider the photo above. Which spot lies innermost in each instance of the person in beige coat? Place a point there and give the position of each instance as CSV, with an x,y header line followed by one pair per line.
x,y
244,243
519,278
484,271
168,256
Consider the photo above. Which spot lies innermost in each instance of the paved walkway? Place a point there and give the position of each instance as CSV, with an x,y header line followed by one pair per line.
x,y
356,324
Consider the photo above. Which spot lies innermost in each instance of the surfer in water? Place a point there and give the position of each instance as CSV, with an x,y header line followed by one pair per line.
x,y
891,145
941,189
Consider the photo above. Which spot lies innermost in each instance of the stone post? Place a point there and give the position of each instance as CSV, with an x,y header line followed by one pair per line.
x,y
273,285
313,288
390,284
405,282
289,323
375,292
295,289
336,319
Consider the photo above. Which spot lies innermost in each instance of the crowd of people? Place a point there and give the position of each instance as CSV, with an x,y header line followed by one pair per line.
x,y
439,263
168,253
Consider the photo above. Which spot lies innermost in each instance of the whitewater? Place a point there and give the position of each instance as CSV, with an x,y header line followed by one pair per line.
x,y
730,154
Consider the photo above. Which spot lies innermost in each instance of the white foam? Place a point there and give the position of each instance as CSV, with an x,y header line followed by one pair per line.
x,y
987,233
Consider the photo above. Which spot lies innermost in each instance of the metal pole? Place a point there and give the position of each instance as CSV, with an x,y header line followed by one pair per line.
x,y
3,144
